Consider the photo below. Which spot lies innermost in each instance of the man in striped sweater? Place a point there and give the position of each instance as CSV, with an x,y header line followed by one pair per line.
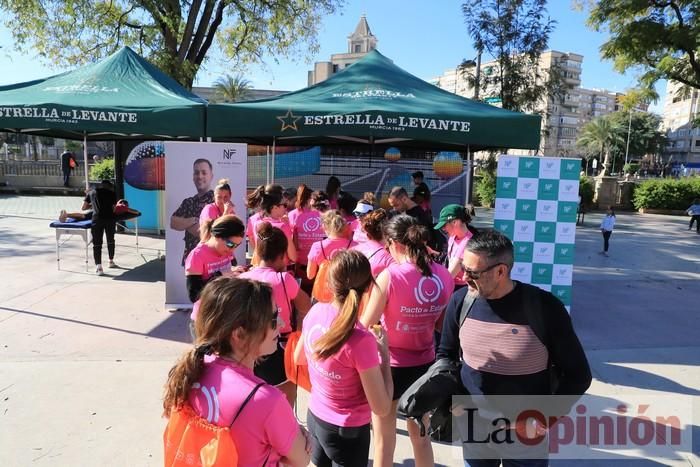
x,y
515,340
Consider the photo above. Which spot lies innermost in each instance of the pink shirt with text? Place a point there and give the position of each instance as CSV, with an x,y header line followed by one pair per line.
x,y
279,223
265,426
379,258
328,246
455,249
205,261
415,303
284,290
307,229
338,396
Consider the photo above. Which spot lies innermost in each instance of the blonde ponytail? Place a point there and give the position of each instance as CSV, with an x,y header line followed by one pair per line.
x,y
341,328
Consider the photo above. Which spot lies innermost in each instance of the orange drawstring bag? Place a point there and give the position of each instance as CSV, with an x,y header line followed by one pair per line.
x,y
190,440
297,374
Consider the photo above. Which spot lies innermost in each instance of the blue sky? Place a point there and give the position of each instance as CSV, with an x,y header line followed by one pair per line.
x,y
424,37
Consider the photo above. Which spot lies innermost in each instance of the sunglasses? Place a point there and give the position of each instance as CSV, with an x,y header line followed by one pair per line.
x,y
231,245
475,275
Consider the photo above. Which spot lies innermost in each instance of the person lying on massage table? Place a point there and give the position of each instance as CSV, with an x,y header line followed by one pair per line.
x,y
121,210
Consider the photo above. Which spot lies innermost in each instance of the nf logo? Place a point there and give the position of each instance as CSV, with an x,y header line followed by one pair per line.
x,y
550,165
566,229
521,269
428,290
542,270
523,228
548,186
506,184
547,207
564,251
544,229
561,293
312,224
523,249
504,227
563,272
568,187
508,163
505,205
527,185
543,250
526,207
229,153
567,209
528,164
569,166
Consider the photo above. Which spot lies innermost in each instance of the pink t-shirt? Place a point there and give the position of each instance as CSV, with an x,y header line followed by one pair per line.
x,y
265,426
279,223
328,246
455,249
333,202
307,229
415,303
205,261
338,396
249,231
379,258
210,211
284,290
358,235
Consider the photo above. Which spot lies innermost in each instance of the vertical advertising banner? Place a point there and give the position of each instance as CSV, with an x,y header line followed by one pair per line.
x,y
192,170
536,207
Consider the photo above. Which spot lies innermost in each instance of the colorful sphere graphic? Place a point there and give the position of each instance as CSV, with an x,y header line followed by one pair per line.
x,y
145,166
447,164
392,154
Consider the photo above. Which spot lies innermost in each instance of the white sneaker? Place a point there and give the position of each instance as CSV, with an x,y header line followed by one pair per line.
x,y
99,271
112,265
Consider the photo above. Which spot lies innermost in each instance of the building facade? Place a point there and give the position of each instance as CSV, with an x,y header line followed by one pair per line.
x,y
360,42
562,120
683,145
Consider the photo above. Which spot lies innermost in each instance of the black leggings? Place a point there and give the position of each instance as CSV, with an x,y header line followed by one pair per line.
x,y
98,228
695,219
338,446
606,239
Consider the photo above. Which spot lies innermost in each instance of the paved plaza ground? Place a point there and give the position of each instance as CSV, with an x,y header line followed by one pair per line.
x,y
83,358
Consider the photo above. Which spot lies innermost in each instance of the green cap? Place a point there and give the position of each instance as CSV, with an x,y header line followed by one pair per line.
x,y
449,213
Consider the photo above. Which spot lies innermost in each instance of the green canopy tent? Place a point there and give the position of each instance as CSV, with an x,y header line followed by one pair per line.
x,y
374,102
121,97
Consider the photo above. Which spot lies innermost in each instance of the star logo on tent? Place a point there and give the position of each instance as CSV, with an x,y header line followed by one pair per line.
x,y
289,120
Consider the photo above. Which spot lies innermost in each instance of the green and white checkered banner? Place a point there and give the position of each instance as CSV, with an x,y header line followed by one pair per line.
x,y
536,206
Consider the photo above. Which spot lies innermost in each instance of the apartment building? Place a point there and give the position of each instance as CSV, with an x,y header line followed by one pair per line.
x,y
683,145
360,42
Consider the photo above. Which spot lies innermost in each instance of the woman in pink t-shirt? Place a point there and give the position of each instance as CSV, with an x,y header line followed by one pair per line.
x,y
222,204
273,210
212,257
271,249
305,222
454,221
333,190
339,238
410,298
214,379
348,368
375,251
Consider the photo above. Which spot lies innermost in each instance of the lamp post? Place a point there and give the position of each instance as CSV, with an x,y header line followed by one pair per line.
x,y
629,131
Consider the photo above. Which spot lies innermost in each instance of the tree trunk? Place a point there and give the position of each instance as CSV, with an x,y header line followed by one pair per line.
x,y
606,164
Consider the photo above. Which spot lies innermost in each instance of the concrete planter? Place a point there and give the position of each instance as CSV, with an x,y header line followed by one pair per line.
x,y
667,212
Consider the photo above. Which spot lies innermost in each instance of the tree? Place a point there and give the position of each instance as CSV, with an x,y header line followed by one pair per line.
x,y
645,137
176,35
660,36
232,88
601,136
514,33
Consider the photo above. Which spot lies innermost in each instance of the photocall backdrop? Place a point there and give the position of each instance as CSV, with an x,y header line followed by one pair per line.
x,y
229,161
536,207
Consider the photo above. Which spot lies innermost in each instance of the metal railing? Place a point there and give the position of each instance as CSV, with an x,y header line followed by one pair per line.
x,y
35,168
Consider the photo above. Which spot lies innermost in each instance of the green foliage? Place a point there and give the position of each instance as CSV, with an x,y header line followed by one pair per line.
x,y
103,170
660,37
175,35
486,189
232,88
586,190
666,194
514,33
599,136
630,168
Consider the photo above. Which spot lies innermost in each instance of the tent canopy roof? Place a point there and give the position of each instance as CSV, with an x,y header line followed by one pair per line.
x,y
374,100
123,96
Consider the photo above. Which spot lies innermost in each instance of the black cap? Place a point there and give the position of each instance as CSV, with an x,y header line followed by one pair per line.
x,y
417,174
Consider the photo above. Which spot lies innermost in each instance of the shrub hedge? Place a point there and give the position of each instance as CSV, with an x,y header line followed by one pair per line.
x,y
666,194
103,170
486,189
586,190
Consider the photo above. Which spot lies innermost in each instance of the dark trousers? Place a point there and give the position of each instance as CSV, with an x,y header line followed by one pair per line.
x,y
606,239
335,446
695,219
99,227
66,176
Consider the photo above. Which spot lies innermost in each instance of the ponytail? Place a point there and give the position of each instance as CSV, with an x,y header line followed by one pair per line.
x,y
253,200
205,230
181,377
406,230
303,196
349,277
340,330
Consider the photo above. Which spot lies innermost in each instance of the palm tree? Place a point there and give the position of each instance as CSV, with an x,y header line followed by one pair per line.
x,y
232,88
600,135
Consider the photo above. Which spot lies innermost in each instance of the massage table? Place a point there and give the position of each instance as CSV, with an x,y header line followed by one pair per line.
x,y
82,229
